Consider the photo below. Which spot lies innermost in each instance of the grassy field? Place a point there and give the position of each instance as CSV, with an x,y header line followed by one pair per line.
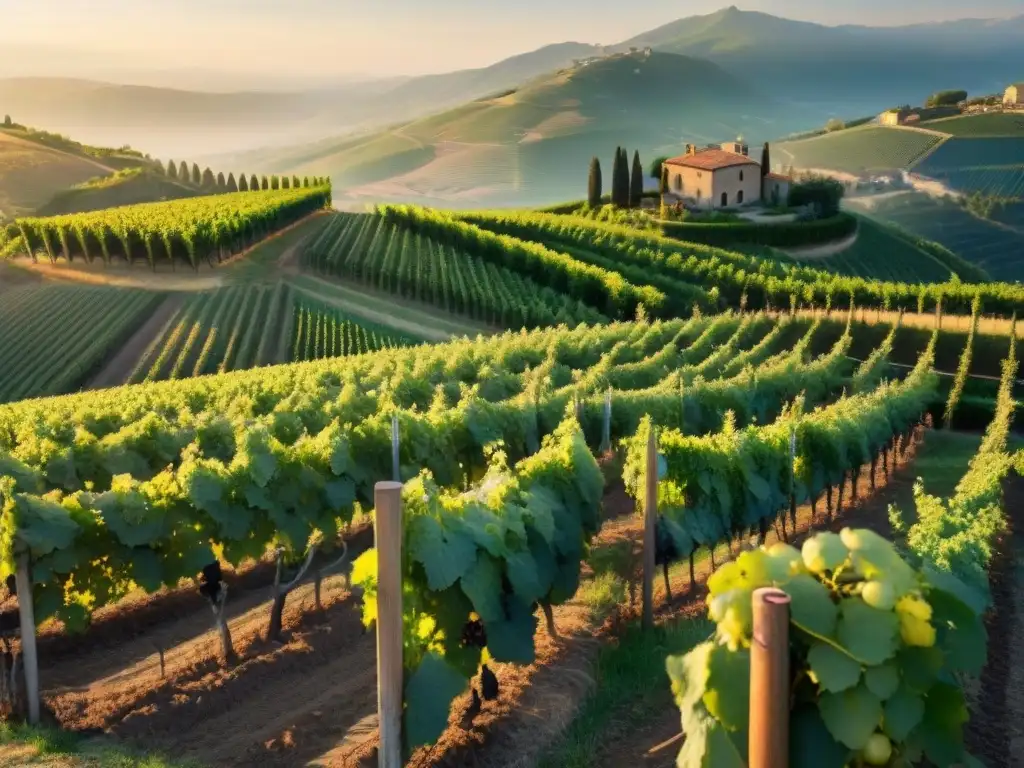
x,y
857,150
997,250
885,254
54,337
127,187
985,124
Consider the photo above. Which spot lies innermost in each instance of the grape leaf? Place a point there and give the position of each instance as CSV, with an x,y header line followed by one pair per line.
x,y
511,640
851,716
428,700
482,585
919,667
727,690
871,635
145,569
811,745
959,632
834,670
445,555
941,727
341,493
565,582
902,713
521,569
42,525
883,680
688,674
708,745
811,604
940,578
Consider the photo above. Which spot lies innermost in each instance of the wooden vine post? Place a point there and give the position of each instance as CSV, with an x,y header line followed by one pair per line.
x,y
387,497
769,680
396,465
29,657
650,519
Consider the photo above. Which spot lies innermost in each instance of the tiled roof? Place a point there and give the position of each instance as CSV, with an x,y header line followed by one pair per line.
x,y
711,160
778,176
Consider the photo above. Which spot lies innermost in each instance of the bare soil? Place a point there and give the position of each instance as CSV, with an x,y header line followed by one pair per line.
x,y
121,365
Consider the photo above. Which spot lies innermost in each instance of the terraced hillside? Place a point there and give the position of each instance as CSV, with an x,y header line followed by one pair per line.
x,y
864,149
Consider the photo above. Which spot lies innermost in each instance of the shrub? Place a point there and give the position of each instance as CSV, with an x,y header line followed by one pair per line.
x,y
788,235
822,193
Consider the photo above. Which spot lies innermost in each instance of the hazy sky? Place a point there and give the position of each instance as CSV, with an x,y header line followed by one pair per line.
x,y
383,37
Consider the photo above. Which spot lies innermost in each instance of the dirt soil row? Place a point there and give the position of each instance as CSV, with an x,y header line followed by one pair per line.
x,y
312,699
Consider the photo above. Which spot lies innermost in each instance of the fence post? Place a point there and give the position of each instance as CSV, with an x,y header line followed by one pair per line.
x,y
29,658
396,466
606,432
650,518
769,680
387,497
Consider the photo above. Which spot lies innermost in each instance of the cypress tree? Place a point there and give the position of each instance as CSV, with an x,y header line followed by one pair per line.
x,y
275,182
254,183
183,174
221,181
208,179
617,179
285,182
264,183
594,183
172,170
159,168
243,185
295,182
231,183
636,182
663,186
766,161
197,175
305,181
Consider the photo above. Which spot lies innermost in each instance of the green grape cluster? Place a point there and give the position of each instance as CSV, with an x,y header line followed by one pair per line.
x,y
874,643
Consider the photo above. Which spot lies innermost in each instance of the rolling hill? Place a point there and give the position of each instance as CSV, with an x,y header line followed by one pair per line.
x,y
127,187
533,143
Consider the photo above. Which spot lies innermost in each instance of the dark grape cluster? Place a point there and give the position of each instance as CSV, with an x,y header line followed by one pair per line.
x,y
474,635
665,550
210,585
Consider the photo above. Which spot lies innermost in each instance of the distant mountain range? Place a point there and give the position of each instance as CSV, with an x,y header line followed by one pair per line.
x,y
712,75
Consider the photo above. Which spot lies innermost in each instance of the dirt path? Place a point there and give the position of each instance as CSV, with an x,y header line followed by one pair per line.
x,y
121,365
824,250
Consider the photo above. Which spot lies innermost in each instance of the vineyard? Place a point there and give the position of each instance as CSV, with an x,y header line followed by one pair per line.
x,y
991,247
999,181
496,442
240,327
858,150
53,338
882,253
988,124
972,153
189,231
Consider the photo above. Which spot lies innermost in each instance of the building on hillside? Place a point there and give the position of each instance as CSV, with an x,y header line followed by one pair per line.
x,y
1014,95
722,177
894,117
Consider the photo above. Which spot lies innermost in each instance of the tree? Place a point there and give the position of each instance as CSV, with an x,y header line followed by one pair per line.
x,y
159,168
243,185
656,166
285,182
834,125
636,181
7,121
946,99
620,174
663,186
209,180
197,175
766,161
231,183
264,183
295,182
254,183
594,183
305,181
221,181
275,182
822,193
172,170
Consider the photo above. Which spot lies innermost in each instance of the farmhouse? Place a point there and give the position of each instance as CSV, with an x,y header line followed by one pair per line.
x,y
721,177
1014,95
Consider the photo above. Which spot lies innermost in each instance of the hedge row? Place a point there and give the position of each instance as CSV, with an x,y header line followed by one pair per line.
x,y
783,235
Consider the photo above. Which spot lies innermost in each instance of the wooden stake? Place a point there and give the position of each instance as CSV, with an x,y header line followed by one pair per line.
x,y
769,680
650,518
387,497
23,584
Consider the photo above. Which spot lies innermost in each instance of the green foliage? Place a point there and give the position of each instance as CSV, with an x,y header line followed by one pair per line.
x,y
491,554
197,175
636,182
946,98
594,183
656,167
872,654
963,369
823,194
736,231
191,229
172,170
